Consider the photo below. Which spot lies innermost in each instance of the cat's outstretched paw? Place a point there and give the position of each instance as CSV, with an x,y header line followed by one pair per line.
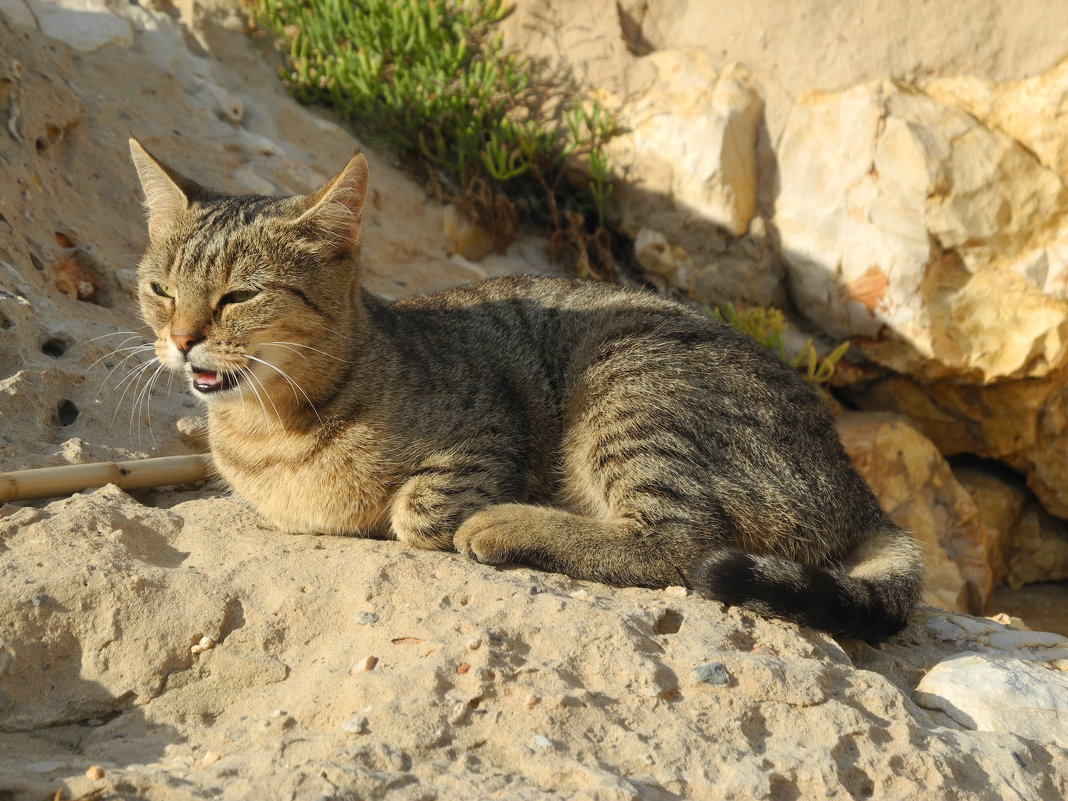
x,y
497,535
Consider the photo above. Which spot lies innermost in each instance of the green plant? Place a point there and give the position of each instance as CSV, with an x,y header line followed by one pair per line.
x,y
432,78
767,325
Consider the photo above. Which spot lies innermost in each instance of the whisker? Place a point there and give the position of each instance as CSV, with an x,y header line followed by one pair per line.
x,y
119,349
144,396
129,379
248,373
309,347
111,372
293,384
115,334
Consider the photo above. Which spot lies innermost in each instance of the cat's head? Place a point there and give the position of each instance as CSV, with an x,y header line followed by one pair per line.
x,y
245,292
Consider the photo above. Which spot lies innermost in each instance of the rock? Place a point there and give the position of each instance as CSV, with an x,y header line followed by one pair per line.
x,y
67,657
467,238
85,25
1033,111
688,150
1038,550
687,178
1000,499
18,12
714,673
1031,545
918,490
984,692
935,240
1022,423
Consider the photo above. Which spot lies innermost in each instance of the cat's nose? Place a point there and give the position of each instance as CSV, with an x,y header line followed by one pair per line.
x,y
185,342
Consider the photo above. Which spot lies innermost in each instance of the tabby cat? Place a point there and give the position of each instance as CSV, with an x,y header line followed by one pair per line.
x,y
608,434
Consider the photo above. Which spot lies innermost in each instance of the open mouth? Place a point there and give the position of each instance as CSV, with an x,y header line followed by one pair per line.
x,y
208,381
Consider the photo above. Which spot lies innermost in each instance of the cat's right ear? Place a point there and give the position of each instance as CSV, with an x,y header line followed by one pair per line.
x,y
167,193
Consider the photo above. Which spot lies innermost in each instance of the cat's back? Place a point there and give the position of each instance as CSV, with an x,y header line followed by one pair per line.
x,y
572,326
528,311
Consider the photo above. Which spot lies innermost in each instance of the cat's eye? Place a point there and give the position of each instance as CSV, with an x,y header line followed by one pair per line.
x,y
238,296
162,290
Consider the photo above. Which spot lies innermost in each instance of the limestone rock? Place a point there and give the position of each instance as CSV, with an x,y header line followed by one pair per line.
x,y
718,272
1031,545
1023,423
66,656
938,242
1033,111
917,489
689,147
986,692
85,25
18,12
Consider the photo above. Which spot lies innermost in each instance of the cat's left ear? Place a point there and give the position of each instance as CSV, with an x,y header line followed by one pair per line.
x,y
334,213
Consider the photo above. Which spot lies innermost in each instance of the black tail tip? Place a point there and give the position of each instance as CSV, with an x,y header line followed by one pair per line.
x,y
802,594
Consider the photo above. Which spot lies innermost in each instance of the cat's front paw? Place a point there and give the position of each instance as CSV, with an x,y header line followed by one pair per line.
x,y
494,536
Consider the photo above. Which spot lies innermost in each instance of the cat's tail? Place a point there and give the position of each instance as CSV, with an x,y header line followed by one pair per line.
x,y
869,597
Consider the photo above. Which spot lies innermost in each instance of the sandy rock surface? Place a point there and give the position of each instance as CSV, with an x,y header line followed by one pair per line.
x,y
169,645
232,661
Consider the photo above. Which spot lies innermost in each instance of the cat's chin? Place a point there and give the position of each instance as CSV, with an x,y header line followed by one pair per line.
x,y
210,382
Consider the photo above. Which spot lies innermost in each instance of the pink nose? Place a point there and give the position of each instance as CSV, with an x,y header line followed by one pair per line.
x,y
184,341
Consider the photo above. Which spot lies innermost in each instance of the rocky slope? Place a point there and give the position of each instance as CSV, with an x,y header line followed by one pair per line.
x,y
170,646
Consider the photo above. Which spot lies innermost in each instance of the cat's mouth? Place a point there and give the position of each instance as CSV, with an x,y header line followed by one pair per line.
x,y
208,381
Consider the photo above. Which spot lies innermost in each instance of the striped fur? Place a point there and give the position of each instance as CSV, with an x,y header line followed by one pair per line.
x,y
609,434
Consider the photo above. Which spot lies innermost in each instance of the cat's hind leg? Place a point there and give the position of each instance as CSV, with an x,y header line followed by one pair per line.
x,y
611,551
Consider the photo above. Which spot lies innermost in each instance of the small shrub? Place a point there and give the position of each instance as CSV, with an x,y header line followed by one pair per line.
x,y
767,325
432,78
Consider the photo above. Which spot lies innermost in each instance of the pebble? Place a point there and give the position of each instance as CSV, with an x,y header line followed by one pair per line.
x,y
462,668
210,758
541,742
714,673
474,644
365,665
94,772
676,591
205,644
366,618
459,712
356,725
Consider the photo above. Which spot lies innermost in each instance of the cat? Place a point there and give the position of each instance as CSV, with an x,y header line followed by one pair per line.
x,y
606,433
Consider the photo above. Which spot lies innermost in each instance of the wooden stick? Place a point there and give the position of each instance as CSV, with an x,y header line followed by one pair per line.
x,y
46,482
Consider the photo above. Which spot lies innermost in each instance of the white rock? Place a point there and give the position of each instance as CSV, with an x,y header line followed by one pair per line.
x,y
1010,640
909,222
999,693
18,12
943,629
689,151
85,25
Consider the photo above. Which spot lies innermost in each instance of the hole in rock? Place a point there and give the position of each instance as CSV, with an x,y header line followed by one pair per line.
x,y
669,622
5,323
66,413
55,347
